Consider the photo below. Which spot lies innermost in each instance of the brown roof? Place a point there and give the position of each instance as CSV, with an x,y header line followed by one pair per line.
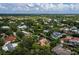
x,y
71,38
10,38
43,41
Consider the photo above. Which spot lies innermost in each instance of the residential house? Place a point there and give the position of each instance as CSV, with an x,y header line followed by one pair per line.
x,y
8,46
45,31
72,30
10,38
22,27
56,35
26,33
43,41
5,27
59,50
70,40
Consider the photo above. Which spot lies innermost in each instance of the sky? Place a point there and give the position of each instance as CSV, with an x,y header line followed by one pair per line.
x,y
39,8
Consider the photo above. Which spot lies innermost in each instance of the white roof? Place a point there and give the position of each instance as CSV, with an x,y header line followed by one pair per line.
x,y
11,22
15,44
26,32
22,22
55,20
22,27
0,17
45,23
64,20
77,21
9,46
7,27
73,28
5,48
66,29
49,20
45,30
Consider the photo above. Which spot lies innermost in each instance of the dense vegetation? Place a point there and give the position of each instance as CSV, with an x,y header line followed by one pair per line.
x,y
36,24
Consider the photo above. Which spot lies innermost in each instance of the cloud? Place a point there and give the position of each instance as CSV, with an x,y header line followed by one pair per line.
x,y
2,7
30,5
39,7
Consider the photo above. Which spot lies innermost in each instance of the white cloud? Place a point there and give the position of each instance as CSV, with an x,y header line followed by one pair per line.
x,y
62,6
37,8
44,7
30,4
75,7
47,7
3,7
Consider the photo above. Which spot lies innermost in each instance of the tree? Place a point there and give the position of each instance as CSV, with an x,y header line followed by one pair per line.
x,y
54,42
41,50
20,34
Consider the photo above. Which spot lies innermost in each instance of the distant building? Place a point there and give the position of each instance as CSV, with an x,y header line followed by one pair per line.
x,y
45,31
9,46
10,38
43,41
59,50
49,19
70,40
1,18
26,33
56,35
22,26
72,30
55,20
5,27
65,30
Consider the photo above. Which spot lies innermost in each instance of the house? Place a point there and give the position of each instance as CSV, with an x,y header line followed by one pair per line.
x,y
59,50
8,46
55,20
10,38
72,30
77,21
43,41
11,21
22,23
1,18
65,30
22,26
72,41
56,35
5,27
45,31
49,20
26,33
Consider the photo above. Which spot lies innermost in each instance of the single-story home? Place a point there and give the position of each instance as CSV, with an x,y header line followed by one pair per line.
x,y
70,40
59,50
8,46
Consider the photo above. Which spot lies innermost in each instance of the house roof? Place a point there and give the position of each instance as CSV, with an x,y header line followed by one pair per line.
x,y
10,38
5,27
56,34
9,46
61,51
43,41
71,38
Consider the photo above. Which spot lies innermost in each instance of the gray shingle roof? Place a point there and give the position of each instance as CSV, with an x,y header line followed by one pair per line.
x,y
61,51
